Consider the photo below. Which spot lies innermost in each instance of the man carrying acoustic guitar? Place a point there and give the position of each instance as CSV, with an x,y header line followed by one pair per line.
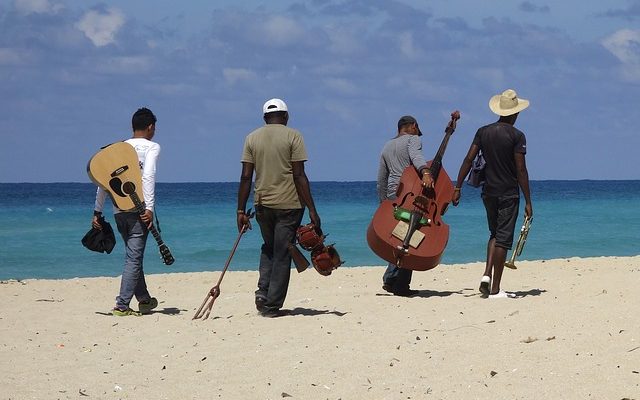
x,y
132,225
398,153
504,148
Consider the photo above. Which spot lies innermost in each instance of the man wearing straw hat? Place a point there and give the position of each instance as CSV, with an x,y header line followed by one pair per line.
x,y
504,148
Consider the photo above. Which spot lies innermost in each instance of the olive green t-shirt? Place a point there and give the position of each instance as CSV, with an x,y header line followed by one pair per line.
x,y
272,149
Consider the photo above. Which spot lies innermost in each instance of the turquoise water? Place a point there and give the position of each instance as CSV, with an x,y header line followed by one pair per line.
x,y
41,226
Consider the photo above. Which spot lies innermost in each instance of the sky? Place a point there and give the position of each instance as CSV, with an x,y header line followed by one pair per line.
x,y
73,72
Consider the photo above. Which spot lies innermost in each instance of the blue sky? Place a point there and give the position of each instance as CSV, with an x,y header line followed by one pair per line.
x,y
73,72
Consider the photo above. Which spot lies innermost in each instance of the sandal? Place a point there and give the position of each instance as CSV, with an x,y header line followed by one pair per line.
x,y
124,313
145,307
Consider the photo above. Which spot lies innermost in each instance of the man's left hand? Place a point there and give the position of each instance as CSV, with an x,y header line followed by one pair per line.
x,y
427,180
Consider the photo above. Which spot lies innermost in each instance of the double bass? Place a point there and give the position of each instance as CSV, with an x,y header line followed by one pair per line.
x,y
409,231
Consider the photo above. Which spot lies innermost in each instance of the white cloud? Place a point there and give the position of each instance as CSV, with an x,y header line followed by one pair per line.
x,y
407,45
625,46
493,76
27,7
125,65
330,68
233,75
10,56
424,89
339,111
174,89
342,86
101,28
342,41
281,31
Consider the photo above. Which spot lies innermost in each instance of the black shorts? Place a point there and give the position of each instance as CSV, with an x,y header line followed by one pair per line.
x,y
502,213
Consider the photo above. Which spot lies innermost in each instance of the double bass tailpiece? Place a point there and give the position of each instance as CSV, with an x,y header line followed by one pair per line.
x,y
413,220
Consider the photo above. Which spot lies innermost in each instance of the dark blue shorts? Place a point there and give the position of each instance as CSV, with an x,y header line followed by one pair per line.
x,y
502,213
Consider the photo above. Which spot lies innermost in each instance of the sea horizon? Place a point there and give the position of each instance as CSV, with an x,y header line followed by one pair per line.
x,y
330,181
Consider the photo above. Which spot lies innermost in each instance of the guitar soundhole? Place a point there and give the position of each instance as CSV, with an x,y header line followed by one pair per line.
x,y
129,188
116,185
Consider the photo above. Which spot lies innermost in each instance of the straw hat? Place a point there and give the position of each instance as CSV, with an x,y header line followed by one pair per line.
x,y
507,103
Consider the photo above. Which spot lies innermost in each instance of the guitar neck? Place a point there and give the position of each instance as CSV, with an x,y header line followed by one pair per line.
x,y
141,210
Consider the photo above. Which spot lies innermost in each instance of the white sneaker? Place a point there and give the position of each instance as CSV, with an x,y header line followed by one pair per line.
x,y
503,295
485,283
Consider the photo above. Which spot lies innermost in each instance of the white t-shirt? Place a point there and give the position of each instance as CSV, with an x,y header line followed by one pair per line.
x,y
148,153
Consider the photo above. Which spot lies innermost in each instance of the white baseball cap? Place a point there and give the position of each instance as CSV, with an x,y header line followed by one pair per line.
x,y
274,105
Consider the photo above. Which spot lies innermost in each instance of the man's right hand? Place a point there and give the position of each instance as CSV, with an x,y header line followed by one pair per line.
x,y
242,220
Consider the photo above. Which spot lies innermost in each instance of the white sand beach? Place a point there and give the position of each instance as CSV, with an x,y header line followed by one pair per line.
x,y
573,333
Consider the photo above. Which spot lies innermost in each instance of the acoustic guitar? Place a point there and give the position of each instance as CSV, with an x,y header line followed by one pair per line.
x,y
116,169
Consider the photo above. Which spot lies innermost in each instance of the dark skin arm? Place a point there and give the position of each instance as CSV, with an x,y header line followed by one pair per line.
x,y
243,195
427,178
303,188
464,171
523,181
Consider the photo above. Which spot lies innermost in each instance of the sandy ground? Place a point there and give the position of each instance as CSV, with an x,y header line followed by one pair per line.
x,y
573,333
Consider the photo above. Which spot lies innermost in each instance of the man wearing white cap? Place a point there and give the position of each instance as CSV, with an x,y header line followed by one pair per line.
x,y
276,153
504,148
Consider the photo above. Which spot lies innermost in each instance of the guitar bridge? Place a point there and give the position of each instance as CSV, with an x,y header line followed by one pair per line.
x,y
119,171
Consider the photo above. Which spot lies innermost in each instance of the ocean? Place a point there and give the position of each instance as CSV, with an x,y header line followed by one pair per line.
x,y
41,225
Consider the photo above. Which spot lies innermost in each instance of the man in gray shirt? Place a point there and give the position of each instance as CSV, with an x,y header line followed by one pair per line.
x,y
398,153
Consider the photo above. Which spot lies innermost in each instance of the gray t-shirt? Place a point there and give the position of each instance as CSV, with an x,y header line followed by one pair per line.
x,y
397,154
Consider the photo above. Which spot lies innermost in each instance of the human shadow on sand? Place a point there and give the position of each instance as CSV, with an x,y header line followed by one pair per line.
x,y
531,292
308,312
424,293
166,311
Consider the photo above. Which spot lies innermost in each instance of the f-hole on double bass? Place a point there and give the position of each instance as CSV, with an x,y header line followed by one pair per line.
x,y
409,231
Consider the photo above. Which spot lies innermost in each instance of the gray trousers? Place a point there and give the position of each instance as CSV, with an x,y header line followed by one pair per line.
x,y
134,234
278,228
